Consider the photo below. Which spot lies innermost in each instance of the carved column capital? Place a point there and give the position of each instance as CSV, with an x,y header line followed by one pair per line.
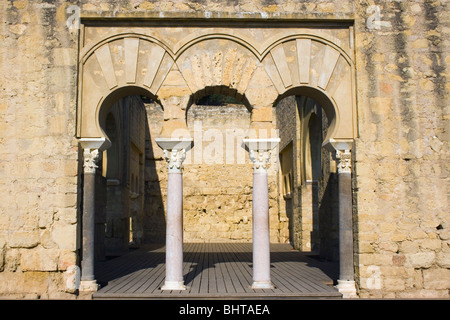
x,y
260,152
344,158
260,159
175,151
91,157
175,159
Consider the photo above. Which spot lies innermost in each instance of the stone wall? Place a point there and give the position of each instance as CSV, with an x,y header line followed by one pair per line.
x,y
402,167
39,218
310,209
155,191
401,217
288,125
217,178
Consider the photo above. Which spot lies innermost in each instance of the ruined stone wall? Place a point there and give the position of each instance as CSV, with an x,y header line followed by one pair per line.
x,y
39,221
155,177
401,216
402,167
287,124
218,178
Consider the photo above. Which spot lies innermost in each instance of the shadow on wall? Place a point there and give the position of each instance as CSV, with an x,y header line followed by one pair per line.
x,y
129,201
154,210
329,220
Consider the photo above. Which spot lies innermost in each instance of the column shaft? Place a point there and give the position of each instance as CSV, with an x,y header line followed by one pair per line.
x,y
259,154
174,153
88,283
346,283
261,233
87,263
345,227
174,233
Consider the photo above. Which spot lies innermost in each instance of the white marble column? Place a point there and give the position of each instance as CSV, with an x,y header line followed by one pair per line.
x,y
260,153
174,153
92,149
346,281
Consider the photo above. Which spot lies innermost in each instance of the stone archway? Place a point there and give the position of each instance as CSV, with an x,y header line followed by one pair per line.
x,y
261,66
214,60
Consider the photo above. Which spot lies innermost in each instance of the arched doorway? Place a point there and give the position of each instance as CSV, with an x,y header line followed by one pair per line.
x,y
291,63
217,175
129,206
128,165
308,195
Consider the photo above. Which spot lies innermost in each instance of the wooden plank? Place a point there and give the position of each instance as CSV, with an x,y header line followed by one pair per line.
x,y
136,281
196,267
121,284
216,270
196,272
125,275
292,283
309,268
214,275
154,280
156,268
116,267
295,279
191,262
233,282
302,280
282,284
204,272
228,284
243,274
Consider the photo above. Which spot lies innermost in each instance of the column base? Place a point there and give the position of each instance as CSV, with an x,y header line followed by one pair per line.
x,y
347,288
173,285
262,285
88,286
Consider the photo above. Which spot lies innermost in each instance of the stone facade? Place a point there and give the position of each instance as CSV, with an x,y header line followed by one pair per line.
x,y
386,68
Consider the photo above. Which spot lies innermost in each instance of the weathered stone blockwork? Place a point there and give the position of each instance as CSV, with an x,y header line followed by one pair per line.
x,y
402,154
401,217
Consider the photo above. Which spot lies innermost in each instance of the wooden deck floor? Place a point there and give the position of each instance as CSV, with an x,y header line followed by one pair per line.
x,y
215,271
